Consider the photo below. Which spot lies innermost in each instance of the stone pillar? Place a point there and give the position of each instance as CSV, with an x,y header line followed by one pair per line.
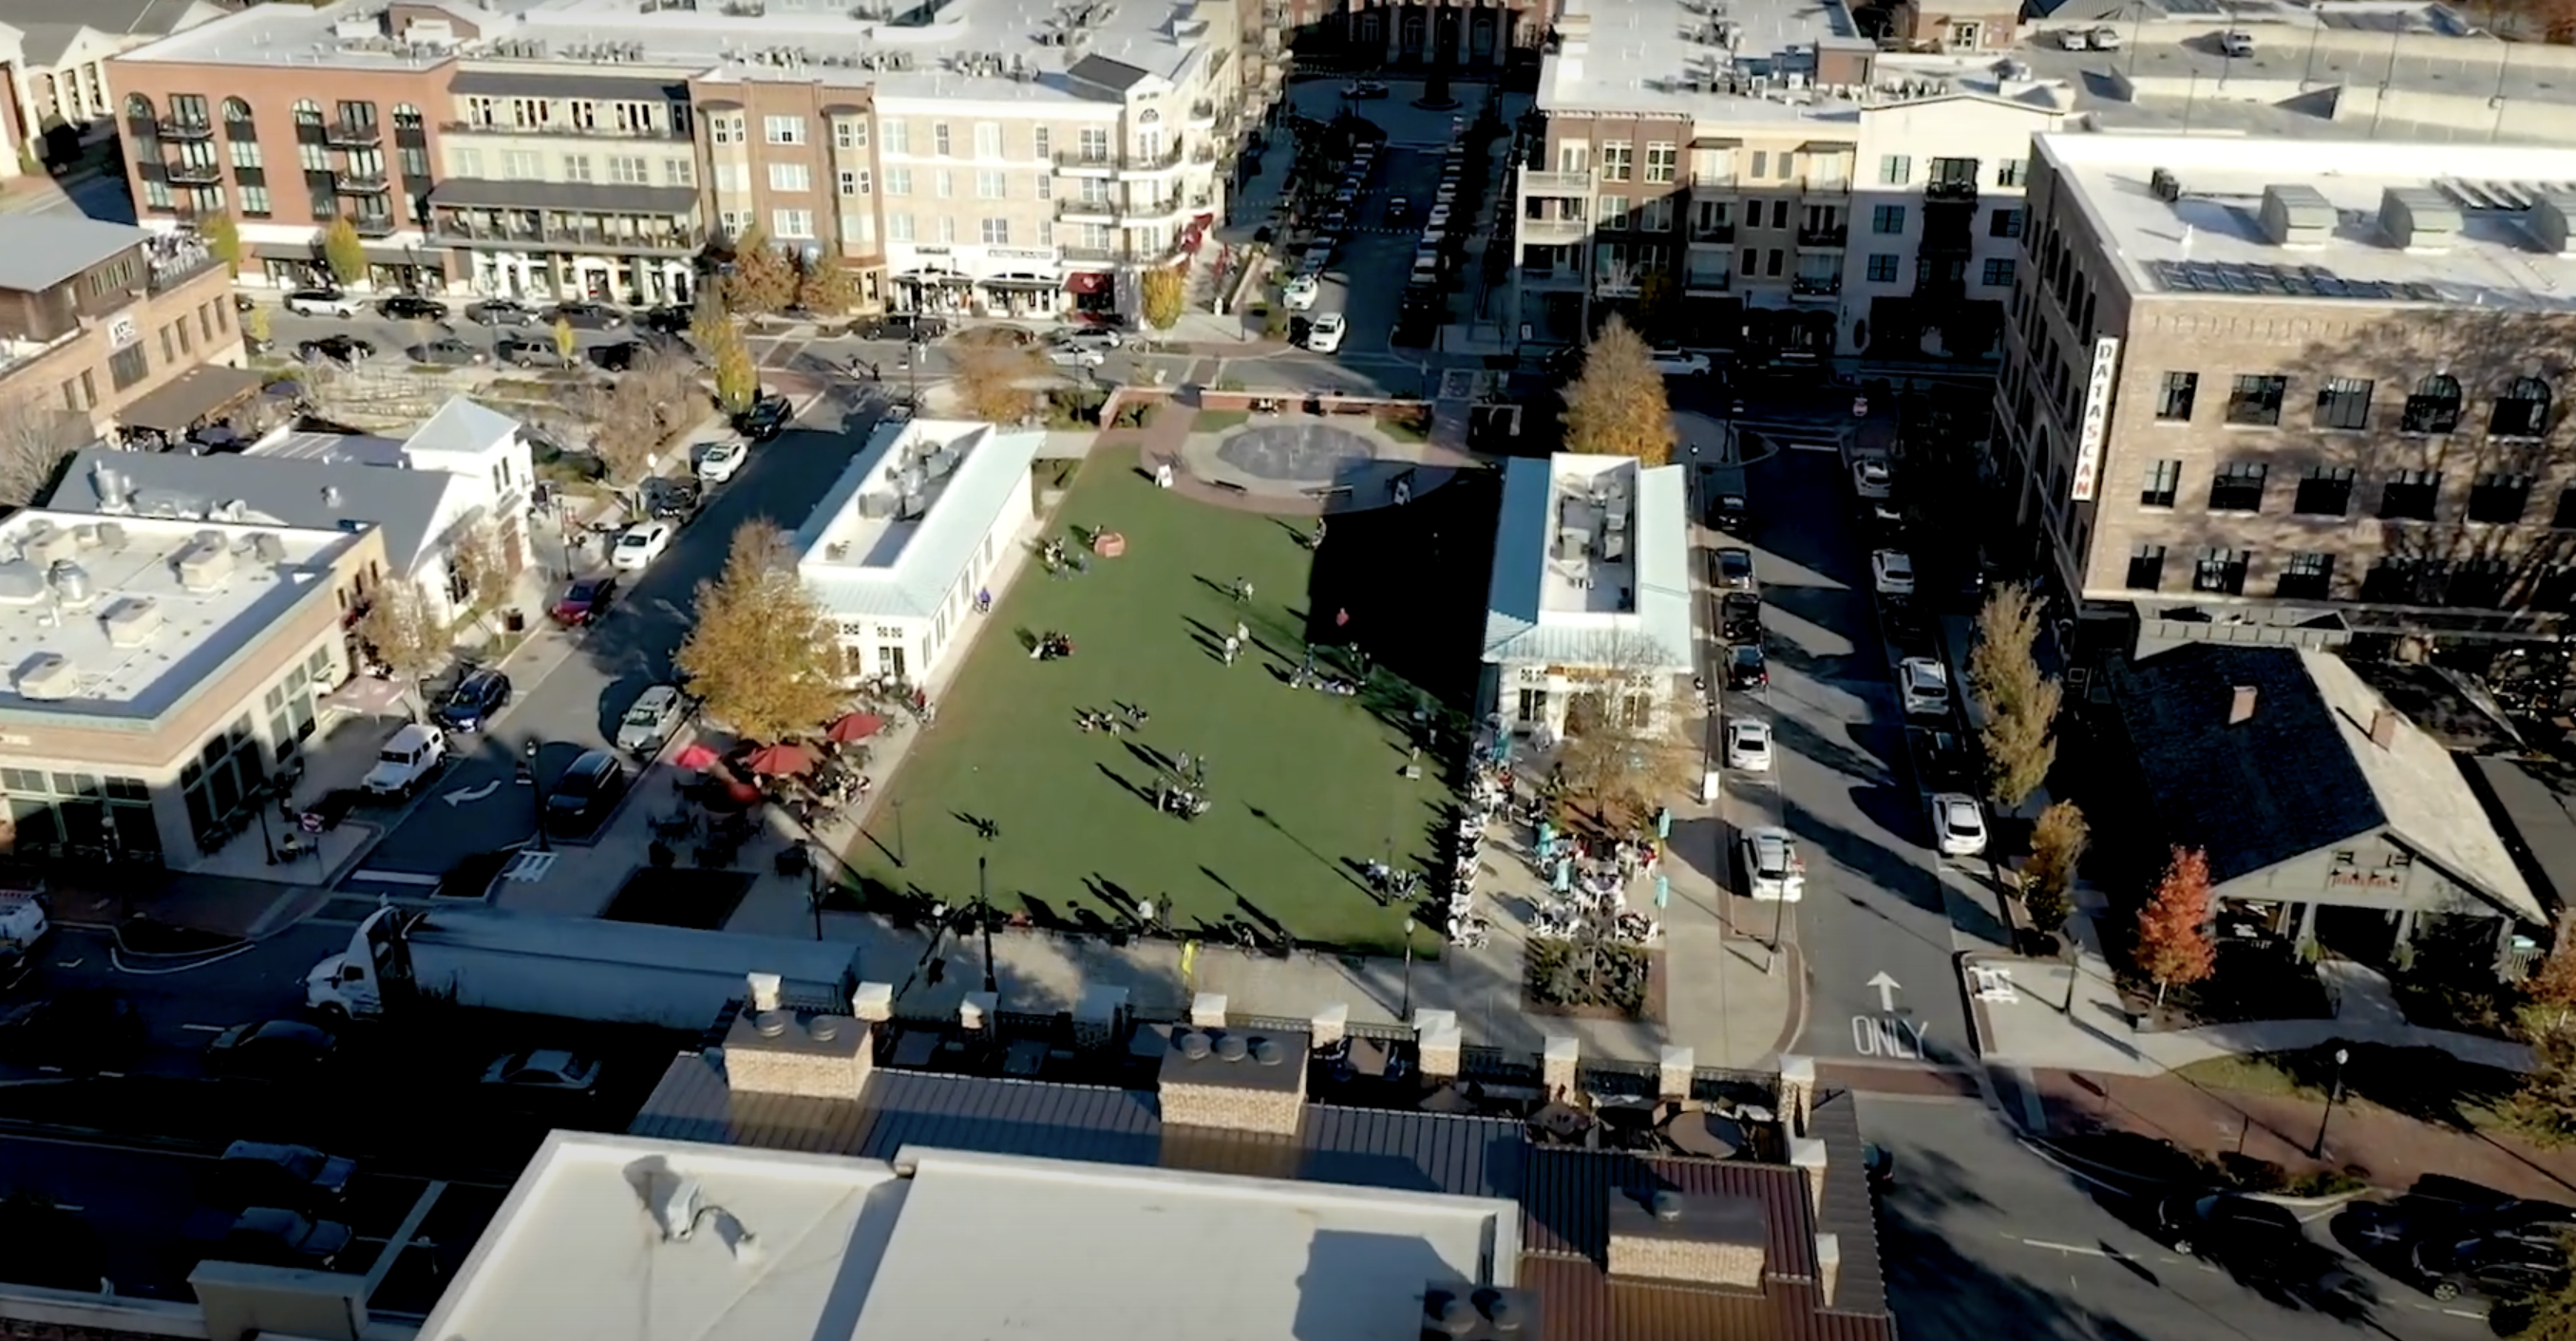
x,y
1673,1069
1559,1064
1438,1050
1332,1024
873,1002
1797,1093
1207,1010
1466,37
1426,1019
976,1012
1100,1019
1807,1155
1829,1266
1394,32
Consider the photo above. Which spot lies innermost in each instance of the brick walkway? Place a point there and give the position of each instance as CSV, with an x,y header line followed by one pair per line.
x,y
2390,1149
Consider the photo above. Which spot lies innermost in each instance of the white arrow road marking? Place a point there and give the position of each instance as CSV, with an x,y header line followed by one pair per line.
x,y
1886,989
464,794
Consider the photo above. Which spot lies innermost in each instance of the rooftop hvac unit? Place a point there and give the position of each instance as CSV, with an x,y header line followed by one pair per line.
x,y
46,675
111,536
131,622
205,566
70,584
45,544
267,548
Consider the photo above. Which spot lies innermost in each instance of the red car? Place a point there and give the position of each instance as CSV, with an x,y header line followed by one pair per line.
x,y
585,601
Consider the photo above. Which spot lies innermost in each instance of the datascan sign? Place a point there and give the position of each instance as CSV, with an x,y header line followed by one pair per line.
x,y
2096,422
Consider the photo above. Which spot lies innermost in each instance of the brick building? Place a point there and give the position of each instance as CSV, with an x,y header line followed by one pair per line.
x,y
97,317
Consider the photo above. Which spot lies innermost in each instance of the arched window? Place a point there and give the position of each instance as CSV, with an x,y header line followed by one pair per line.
x,y
308,112
236,112
2434,407
2522,411
406,116
138,107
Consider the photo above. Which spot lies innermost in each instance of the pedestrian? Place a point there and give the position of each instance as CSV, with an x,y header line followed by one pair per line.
x,y
1242,589
1241,634
1232,645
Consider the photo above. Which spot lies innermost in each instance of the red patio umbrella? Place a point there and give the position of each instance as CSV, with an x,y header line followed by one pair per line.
x,y
694,757
782,760
852,727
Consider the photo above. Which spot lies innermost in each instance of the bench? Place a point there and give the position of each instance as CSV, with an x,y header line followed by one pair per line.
x,y
1228,485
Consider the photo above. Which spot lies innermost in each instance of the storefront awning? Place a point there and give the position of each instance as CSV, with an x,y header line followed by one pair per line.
x,y
600,197
1086,283
285,251
1040,282
194,395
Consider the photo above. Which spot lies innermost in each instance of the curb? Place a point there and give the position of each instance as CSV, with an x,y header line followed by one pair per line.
x,y
2059,1153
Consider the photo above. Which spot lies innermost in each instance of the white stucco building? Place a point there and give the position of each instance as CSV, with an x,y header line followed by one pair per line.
x,y
919,522
1591,593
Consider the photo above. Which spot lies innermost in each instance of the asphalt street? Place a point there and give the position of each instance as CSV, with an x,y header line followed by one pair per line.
x,y
183,1008
1981,1237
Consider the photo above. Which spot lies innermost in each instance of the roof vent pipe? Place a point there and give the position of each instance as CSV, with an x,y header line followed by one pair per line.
x,y
2240,709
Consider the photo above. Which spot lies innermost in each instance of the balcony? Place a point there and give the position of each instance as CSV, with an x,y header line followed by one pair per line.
x,y
1826,186
361,184
353,135
1085,163
455,232
1202,116
1702,281
182,265
1952,190
193,174
1554,230
1088,211
1706,235
574,132
184,130
1564,277
1824,239
1816,286
1537,183
375,225
1712,181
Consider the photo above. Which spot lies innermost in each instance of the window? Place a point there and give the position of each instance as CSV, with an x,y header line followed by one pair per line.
x,y
245,153
947,230
2499,499
1887,220
1046,185
2410,495
943,183
855,182
1663,162
1895,170
859,228
128,366
2011,171
2434,407
997,232
679,172
783,129
1999,274
2238,487
1657,217
1882,267
1761,164
2173,399
1779,214
791,223
2400,579
790,177
2164,480
1611,214
523,166
1571,156
2306,577
2221,571
1773,261
899,227
254,201
988,140
849,132
989,184
2522,411
1041,142
2478,583
2344,402
898,136
2257,400
2146,568
939,138
725,128
2564,518
2004,223
898,181
1615,165
2324,491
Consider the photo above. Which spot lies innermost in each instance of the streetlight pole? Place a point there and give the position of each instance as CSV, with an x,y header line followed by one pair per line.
x,y
984,915
897,803
2317,1149
814,885
536,790
1408,969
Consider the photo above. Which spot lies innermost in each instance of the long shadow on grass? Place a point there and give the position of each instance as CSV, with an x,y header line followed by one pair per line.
x,y
1422,626
1320,859
1131,788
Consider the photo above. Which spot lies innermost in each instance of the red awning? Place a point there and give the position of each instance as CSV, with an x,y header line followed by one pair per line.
x,y
1086,283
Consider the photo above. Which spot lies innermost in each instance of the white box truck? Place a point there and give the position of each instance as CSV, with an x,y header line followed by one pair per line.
x,y
568,967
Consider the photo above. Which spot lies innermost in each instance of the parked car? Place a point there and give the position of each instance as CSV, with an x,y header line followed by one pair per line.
x,y
406,761
342,349
80,1028
475,700
271,1050
527,351
1739,618
545,1070
585,601
1773,872
1892,572
1746,667
617,357
586,316
1397,207
1748,745
651,721
264,1173
586,792
1325,336
450,352
1940,757
1300,293
268,1236
413,307
718,461
1088,337
667,499
766,419
322,303
1363,88
2236,43
1075,356
900,326
1871,478
2486,1267
2225,1224
667,319
1735,568
1679,363
500,312
639,545
1958,825
1924,685
1729,512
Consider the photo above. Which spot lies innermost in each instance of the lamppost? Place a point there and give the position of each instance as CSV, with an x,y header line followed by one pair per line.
x,y
536,786
268,791
814,885
897,803
914,351
984,916
2334,1096
1408,968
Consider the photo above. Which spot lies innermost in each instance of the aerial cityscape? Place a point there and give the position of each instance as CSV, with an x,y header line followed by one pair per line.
x,y
1287,670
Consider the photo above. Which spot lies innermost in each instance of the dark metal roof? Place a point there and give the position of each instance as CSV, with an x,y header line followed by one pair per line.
x,y
1103,72
1006,1117
604,88
191,396
2531,815
1579,1302
1849,1212
1567,1210
469,192
693,1103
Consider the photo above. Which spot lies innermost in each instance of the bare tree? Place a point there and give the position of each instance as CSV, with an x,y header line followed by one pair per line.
x,y
1629,739
481,565
400,631
992,383
35,442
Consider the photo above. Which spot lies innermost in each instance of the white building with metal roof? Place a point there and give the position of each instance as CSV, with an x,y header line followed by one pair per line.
x,y
910,532
1590,594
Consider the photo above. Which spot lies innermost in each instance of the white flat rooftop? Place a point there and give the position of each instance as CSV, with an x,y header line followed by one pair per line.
x,y
894,531
2210,243
1643,54
365,449
809,39
1592,557
171,633
944,1246
1591,565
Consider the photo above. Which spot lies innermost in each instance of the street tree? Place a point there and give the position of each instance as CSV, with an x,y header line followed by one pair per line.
x,y
763,656
2001,667
737,376
401,631
567,341
2057,842
2019,702
254,324
993,383
1613,759
827,288
2174,944
763,278
35,442
223,238
1617,406
2018,749
2550,991
1166,292
343,252
479,565
2545,1313
709,322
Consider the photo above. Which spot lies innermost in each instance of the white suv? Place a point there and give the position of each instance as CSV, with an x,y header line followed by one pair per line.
x,y
1679,363
1925,686
1892,570
1772,871
321,303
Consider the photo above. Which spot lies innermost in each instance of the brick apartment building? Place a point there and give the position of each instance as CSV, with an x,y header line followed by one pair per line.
x,y
2254,403
97,317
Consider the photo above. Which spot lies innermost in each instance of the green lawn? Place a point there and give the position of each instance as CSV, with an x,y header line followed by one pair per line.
x,y
1304,786
2421,1083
